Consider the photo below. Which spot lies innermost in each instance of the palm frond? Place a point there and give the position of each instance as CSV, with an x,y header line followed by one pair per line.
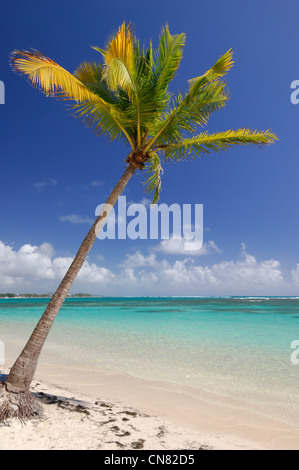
x,y
56,81
91,75
119,60
143,63
205,143
219,69
206,94
47,75
103,121
99,49
119,69
167,59
153,183
187,115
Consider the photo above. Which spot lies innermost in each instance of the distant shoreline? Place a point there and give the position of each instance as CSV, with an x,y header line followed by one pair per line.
x,y
95,296
42,296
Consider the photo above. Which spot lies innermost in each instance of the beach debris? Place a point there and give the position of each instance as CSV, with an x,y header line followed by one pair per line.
x,y
162,431
138,444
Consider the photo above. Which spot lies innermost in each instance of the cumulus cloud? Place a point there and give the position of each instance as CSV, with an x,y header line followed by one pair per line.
x,y
137,260
39,185
245,276
183,246
295,275
96,183
37,268
76,219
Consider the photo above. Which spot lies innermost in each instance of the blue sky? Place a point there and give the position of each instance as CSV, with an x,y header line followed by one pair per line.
x,y
53,167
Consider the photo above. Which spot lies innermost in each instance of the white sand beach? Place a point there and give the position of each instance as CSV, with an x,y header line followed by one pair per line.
x,y
77,421
149,416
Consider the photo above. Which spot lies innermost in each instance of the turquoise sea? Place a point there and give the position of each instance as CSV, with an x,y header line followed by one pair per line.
x,y
237,347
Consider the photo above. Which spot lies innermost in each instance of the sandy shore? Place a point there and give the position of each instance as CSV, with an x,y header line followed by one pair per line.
x,y
74,421
92,409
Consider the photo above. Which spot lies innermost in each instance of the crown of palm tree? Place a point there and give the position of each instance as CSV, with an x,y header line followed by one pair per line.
x,y
126,96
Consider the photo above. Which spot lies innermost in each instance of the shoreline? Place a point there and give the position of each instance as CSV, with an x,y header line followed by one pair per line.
x,y
87,297
77,421
165,417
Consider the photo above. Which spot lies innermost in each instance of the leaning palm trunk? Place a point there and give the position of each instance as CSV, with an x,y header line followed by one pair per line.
x,y
15,398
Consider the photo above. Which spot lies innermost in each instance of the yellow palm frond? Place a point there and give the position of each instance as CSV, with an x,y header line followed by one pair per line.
x,y
119,61
54,80
47,75
119,69
121,45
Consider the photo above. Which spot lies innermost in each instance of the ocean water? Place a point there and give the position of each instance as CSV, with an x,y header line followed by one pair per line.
x,y
233,347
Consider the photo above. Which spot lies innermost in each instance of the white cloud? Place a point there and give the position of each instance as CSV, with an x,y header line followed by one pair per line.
x,y
183,246
246,276
295,275
138,260
39,185
36,268
146,201
96,183
76,219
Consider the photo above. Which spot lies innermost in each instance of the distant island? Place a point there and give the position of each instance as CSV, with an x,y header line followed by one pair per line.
x,y
9,295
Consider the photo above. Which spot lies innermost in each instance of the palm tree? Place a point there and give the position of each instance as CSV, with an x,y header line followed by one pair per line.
x,y
125,96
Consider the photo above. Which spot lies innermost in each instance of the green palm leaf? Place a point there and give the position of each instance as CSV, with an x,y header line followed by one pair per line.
x,y
187,114
153,183
219,69
206,94
205,143
167,59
